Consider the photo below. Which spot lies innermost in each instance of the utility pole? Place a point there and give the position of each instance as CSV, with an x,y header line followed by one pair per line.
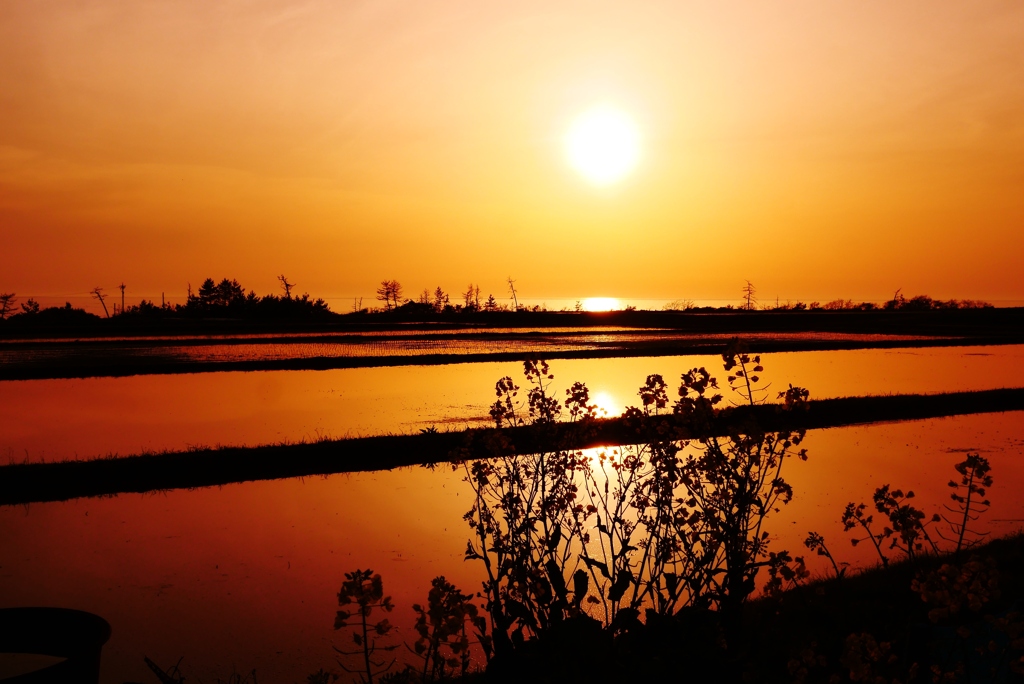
x,y
122,296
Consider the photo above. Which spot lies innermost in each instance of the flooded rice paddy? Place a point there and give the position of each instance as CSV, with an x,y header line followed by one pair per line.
x,y
48,420
111,356
245,576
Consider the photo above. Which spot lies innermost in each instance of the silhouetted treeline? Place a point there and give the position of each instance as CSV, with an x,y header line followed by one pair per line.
x,y
229,299
32,314
897,303
431,303
226,299
439,306
226,307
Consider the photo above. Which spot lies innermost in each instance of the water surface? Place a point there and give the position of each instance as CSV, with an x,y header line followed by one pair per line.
x,y
246,575
85,418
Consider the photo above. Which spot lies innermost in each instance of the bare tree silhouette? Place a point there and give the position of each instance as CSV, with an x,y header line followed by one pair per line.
x,y
472,297
897,301
286,286
389,292
748,295
97,292
7,302
512,289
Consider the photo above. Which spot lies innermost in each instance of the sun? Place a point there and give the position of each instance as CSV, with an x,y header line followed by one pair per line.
x,y
603,144
601,304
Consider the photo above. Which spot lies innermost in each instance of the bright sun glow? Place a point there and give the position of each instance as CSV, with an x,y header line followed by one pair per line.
x,y
603,144
606,405
601,304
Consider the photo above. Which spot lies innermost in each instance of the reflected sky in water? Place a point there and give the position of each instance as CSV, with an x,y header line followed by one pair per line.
x,y
62,419
248,574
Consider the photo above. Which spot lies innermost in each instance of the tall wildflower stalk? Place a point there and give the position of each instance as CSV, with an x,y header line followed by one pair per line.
x,y
676,520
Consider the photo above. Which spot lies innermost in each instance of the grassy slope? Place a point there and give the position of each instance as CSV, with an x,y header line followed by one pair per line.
x,y
880,602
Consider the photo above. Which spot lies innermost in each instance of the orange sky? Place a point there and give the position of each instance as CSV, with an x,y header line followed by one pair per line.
x,y
820,149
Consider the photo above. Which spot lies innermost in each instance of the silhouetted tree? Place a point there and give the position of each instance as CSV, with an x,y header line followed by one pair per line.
x,y
678,305
223,294
97,292
440,299
7,302
896,302
467,297
748,296
286,286
228,298
920,303
30,307
389,292
384,293
512,289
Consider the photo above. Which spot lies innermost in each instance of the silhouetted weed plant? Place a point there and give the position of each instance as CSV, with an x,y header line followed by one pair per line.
x,y
444,627
815,542
322,676
362,594
968,495
972,638
907,528
674,524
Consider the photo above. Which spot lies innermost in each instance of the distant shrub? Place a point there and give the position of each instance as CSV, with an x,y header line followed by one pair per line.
x,y
679,305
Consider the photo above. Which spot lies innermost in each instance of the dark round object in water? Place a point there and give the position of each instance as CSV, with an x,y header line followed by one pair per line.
x,y
74,635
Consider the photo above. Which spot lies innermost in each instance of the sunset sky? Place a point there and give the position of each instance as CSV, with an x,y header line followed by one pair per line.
x,y
819,149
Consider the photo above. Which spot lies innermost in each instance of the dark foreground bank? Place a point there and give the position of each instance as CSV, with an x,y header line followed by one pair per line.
x,y
954,618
